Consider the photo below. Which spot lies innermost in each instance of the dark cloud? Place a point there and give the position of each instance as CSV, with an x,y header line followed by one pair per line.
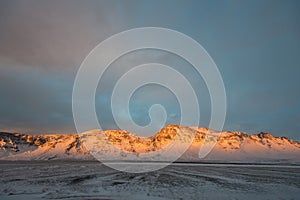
x,y
255,44
55,35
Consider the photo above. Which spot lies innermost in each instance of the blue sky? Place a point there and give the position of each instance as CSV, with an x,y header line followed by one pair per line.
x,y
255,44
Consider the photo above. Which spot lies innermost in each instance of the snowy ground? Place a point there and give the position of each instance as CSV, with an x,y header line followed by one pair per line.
x,y
92,180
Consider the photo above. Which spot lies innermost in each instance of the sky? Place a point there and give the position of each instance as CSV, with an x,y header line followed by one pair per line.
x,y
255,44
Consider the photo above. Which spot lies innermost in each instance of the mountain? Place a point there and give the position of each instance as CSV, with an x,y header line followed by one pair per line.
x,y
16,146
229,147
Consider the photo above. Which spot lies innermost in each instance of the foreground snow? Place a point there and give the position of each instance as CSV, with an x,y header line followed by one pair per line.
x,y
92,180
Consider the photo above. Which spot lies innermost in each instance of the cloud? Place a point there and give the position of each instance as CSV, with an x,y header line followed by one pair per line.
x,y
255,45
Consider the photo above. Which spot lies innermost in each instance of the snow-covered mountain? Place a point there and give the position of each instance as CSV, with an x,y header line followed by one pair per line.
x,y
229,147
15,146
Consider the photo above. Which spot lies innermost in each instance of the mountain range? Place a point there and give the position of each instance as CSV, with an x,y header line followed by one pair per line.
x,y
227,146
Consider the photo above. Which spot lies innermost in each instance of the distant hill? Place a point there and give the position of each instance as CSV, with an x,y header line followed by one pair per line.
x,y
229,147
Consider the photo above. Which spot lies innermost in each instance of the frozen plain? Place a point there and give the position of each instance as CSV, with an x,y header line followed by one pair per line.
x,y
93,180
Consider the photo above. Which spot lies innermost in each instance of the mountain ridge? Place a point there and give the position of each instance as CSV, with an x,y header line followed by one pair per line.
x,y
230,146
